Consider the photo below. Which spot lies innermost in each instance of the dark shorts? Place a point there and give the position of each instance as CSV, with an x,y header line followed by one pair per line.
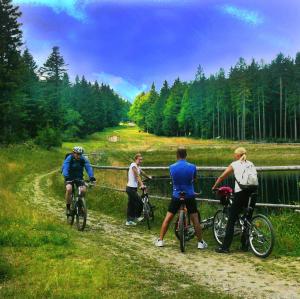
x,y
77,183
190,204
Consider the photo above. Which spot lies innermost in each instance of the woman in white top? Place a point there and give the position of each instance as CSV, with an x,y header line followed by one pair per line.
x,y
135,205
240,167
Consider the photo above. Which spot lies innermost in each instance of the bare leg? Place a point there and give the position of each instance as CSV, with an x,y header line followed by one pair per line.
x,y
196,223
83,190
165,225
68,194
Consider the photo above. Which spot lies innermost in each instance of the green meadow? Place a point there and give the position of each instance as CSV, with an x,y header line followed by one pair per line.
x,y
42,257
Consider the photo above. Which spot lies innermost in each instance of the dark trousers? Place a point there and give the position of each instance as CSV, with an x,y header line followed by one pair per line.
x,y
135,204
240,201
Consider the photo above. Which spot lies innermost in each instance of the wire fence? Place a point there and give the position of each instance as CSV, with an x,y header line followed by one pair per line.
x,y
279,185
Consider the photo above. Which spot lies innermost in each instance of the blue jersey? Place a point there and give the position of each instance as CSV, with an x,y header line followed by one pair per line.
x,y
73,169
183,175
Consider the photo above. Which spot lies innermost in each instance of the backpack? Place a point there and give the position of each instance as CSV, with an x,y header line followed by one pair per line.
x,y
249,180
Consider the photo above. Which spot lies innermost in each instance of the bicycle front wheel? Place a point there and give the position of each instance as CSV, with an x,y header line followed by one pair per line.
x,y
261,236
81,214
181,230
147,211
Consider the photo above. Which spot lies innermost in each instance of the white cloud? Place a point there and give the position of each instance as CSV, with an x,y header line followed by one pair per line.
x,y
120,85
248,16
76,8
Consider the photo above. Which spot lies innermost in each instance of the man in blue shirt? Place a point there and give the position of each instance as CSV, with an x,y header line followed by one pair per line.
x,y
72,171
183,175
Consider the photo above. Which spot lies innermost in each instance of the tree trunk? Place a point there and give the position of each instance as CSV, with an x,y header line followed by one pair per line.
x,y
280,108
218,111
259,122
244,118
264,116
237,126
254,123
285,112
213,124
275,125
295,124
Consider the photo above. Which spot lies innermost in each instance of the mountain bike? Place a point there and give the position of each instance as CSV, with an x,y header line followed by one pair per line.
x,y
258,229
182,225
184,229
148,209
78,207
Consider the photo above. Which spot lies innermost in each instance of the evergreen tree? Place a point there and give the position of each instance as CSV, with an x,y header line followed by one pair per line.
x,y
11,104
172,109
158,109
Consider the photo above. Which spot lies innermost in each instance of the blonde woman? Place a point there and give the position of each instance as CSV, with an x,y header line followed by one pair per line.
x,y
244,172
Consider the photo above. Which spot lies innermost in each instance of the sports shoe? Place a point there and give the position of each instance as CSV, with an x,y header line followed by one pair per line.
x,y
221,250
159,243
244,248
202,244
130,223
139,219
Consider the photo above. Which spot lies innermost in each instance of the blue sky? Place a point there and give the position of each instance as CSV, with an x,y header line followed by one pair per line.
x,y
132,43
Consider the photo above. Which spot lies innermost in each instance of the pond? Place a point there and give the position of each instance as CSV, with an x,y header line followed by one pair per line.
x,y
274,187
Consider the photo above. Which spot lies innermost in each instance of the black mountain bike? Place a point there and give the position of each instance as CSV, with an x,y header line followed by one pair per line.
x,y
258,230
78,207
184,229
148,209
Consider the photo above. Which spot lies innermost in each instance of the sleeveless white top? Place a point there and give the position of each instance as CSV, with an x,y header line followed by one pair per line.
x,y
132,180
238,169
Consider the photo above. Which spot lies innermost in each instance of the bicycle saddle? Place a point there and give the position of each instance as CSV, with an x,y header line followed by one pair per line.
x,y
182,194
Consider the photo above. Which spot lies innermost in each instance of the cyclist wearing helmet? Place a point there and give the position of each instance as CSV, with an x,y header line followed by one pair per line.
x,y
72,170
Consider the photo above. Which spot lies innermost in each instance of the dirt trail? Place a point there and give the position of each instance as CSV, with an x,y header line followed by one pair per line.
x,y
235,274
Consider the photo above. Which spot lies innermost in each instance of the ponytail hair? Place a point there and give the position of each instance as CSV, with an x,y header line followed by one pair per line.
x,y
242,152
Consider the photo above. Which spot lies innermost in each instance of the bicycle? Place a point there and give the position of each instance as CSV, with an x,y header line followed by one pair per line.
x,y
258,229
182,225
189,230
148,209
78,207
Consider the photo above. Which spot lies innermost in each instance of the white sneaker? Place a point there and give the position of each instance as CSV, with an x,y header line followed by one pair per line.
x,y
130,223
141,218
159,243
202,245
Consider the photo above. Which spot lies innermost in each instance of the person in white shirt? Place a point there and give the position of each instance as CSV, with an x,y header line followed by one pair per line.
x,y
135,205
241,195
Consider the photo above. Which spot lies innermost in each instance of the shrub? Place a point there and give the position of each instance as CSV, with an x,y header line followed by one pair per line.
x,y
48,138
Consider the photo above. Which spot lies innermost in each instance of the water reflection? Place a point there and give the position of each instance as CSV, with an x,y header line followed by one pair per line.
x,y
274,187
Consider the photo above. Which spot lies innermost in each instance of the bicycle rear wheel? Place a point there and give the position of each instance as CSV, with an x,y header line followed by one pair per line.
x,y
81,214
181,230
219,226
261,236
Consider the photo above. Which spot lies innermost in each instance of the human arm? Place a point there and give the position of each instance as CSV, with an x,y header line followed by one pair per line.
x,y
223,176
143,173
66,167
137,176
89,169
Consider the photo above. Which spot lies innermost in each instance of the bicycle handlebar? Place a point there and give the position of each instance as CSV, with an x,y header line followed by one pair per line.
x,y
87,183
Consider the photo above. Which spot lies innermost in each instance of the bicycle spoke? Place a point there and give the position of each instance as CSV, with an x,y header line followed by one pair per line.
x,y
261,236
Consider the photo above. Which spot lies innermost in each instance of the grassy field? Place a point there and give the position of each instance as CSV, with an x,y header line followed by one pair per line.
x,y
161,150
40,256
